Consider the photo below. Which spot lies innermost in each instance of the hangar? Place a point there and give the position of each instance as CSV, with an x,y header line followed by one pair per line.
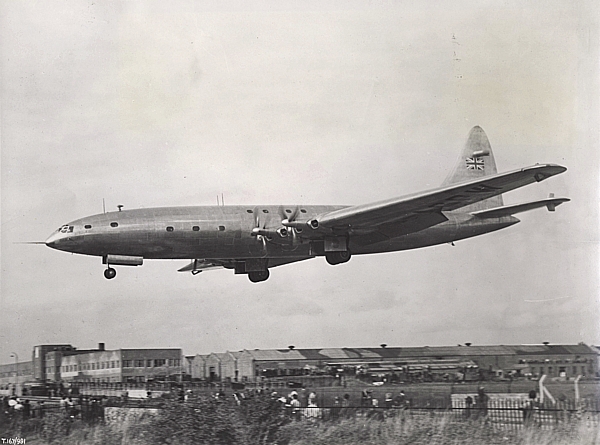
x,y
566,361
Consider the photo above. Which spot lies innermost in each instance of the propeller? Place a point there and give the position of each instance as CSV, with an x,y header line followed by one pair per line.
x,y
258,230
288,217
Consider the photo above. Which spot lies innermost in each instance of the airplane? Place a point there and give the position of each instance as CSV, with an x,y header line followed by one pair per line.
x,y
251,240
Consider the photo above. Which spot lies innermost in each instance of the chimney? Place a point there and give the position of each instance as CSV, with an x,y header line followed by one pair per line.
x,y
100,346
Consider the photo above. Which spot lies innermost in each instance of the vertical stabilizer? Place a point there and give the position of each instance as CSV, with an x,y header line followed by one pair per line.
x,y
475,161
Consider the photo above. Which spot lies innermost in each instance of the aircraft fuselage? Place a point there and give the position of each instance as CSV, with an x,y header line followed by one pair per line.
x,y
225,232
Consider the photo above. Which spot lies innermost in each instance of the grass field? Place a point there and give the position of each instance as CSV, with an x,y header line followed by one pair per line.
x,y
440,430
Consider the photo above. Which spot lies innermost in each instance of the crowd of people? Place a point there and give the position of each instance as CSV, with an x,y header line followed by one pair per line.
x,y
304,405
86,408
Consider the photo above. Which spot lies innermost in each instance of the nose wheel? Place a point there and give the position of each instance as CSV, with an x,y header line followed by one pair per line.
x,y
110,273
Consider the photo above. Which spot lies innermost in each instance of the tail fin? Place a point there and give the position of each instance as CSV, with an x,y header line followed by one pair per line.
x,y
475,161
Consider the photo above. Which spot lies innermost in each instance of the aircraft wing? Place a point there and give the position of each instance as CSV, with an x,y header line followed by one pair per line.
x,y
416,212
200,265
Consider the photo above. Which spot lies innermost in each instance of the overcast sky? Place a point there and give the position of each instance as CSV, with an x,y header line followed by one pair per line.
x,y
158,103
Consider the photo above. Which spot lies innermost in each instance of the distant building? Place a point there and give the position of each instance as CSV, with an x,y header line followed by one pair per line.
x,y
40,367
123,365
13,373
65,363
198,367
565,361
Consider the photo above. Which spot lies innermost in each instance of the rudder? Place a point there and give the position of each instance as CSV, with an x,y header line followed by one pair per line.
x,y
475,161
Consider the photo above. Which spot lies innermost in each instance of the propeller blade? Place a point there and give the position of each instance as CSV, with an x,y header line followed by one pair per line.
x,y
256,220
294,214
258,229
264,241
286,217
281,212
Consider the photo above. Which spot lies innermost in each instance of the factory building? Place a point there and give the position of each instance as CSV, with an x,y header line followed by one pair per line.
x,y
123,365
40,366
221,365
14,374
65,363
198,367
564,361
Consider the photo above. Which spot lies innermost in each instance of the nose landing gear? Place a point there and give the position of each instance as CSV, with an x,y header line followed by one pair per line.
x,y
110,273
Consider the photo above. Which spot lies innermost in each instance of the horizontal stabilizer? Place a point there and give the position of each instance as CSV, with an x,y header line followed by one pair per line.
x,y
497,212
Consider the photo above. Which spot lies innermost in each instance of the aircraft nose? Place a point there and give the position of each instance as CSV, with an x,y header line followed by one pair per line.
x,y
53,240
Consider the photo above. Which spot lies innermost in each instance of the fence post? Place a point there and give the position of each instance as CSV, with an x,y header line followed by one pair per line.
x,y
577,389
541,383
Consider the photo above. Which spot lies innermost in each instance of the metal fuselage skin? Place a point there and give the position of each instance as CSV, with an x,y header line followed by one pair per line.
x,y
225,232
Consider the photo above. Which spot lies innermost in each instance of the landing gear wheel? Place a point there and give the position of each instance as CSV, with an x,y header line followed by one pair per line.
x,y
257,277
334,258
110,273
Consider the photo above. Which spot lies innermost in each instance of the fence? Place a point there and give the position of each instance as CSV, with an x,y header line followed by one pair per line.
x,y
500,413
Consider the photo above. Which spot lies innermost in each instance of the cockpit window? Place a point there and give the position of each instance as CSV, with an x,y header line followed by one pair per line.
x,y
66,229
88,226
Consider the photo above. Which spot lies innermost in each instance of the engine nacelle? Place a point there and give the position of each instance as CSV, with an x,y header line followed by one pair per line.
x,y
270,234
282,236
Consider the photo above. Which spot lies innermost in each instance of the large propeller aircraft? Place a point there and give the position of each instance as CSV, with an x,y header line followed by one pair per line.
x,y
251,240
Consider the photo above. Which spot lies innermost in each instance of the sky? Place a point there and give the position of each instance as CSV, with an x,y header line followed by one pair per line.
x,y
151,104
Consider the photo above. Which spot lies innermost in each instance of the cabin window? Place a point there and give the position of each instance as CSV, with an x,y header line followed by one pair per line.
x,y
288,211
87,226
265,211
249,211
170,228
221,228
303,210
195,228
114,224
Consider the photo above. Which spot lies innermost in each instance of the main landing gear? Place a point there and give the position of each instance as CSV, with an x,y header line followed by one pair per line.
x,y
257,277
110,273
334,258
